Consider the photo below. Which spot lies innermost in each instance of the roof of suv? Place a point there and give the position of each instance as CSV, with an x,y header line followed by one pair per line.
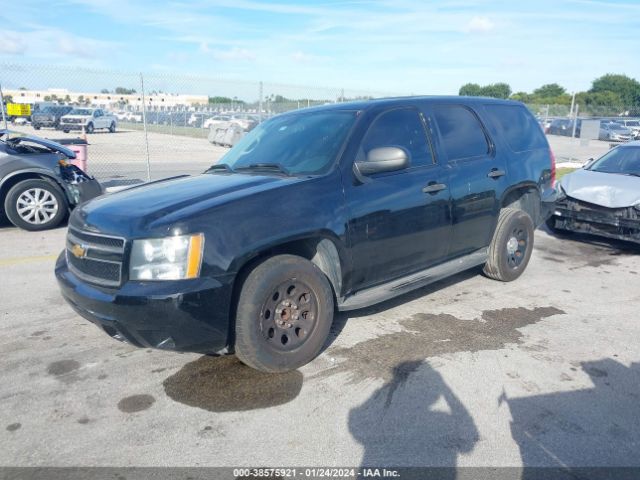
x,y
368,104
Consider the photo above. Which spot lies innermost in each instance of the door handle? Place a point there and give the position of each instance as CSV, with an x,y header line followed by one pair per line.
x,y
495,173
434,187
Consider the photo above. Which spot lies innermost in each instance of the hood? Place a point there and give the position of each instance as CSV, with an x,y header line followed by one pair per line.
x,y
605,189
15,138
76,116
167,203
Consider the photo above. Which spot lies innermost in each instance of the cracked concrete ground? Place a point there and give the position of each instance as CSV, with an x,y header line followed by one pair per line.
x,y
468,372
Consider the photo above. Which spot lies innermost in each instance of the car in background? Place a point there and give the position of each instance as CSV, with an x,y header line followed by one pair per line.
x,y
612,131
564,127
216,121
246,121
49,116
88,119
38,185
633,125
603,197
560,126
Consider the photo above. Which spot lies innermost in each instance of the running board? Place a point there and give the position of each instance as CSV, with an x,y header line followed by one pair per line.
x,y
411,282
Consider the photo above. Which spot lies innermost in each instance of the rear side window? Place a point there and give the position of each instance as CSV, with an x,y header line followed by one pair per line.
x,y
461,132
403,128
519,128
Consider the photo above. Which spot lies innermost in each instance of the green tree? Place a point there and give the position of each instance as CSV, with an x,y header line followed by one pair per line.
x,y
549,90
220,100
104,90
470,89
627,89
496,90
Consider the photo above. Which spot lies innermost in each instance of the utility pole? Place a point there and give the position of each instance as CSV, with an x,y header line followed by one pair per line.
x,y
4,116
573,101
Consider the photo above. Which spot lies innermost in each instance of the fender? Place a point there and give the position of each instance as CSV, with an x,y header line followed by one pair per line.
x,y
45,173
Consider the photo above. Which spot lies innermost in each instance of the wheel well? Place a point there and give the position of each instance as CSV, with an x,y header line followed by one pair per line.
x,y
322,252
526,199
11,181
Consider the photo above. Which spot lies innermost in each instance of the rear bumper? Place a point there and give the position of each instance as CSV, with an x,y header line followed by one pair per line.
x,y
187,315
600,223
547,205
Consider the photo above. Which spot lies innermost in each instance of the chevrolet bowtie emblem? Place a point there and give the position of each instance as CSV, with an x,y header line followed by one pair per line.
x,y
79,251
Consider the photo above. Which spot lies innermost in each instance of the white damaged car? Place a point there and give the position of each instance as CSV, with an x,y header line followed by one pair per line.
x,y
603,197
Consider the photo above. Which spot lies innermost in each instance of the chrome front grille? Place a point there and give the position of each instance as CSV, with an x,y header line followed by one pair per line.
x,y
96,258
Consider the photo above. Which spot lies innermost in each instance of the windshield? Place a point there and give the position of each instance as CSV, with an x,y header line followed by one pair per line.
x,y
80,111
624,160
304,143
47,110
633,123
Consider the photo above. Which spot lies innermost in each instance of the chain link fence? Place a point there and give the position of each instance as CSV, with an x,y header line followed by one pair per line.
x,y
170,124
165,123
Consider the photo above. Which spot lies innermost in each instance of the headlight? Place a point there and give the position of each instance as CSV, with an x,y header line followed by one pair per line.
x,y
170,258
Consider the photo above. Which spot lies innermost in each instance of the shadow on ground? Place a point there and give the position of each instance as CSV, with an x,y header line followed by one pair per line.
x,y
414,419
593,427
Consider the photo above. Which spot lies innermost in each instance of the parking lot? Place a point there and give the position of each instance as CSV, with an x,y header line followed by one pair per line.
x,y
467,372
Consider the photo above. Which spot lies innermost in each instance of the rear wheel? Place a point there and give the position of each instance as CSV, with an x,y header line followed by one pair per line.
x,y
89,128
511,246
35,205
112,127
36,126
284,313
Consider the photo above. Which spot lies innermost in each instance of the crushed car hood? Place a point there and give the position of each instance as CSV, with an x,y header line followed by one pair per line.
x,y
605,189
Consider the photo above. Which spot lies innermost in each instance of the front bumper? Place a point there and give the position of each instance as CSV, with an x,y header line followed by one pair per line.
x,y
186,315
616,223
71,126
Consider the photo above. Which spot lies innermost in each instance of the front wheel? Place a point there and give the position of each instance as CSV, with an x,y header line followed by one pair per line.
x,y
511,246
36,126
35,205
284,313
89,128
112,127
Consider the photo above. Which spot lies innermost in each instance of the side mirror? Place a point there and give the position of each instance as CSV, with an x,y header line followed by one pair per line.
x,y
384,159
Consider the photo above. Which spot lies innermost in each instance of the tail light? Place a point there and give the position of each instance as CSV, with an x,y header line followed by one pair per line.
x,y
553,168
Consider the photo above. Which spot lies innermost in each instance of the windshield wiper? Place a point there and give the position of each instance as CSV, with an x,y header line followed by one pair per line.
x,y
219,166
265,166
633,174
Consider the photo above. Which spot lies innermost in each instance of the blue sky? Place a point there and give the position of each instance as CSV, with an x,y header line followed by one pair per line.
x,y
395,46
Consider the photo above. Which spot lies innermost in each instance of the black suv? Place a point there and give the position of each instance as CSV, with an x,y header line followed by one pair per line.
x,y
336,207
49,117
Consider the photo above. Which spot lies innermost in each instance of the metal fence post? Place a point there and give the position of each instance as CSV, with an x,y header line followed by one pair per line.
x,y
4,116
144,124
259,102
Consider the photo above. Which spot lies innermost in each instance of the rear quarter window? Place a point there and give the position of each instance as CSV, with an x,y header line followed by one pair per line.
x,y
518,127
461,132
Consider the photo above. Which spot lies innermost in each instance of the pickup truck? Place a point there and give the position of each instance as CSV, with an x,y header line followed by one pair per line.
x,y
89,119
331,208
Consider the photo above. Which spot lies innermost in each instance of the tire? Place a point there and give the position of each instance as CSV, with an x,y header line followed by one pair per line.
x,y
511,246
53,205
89,128
284,313
36,127
112,127
66,131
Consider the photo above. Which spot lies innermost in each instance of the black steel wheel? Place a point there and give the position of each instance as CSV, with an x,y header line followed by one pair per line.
x,y
511,246
284,313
